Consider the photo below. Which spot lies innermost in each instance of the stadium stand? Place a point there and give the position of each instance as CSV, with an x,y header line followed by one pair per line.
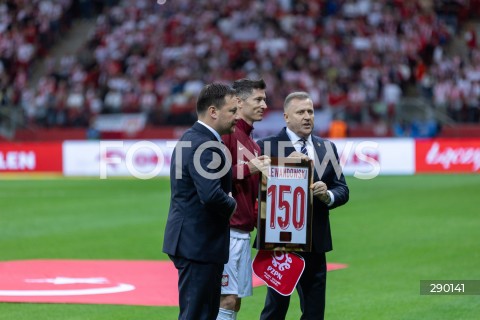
x,y
405,68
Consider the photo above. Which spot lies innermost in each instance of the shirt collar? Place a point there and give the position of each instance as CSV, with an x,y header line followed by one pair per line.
x,y
215,133
244,126
294,137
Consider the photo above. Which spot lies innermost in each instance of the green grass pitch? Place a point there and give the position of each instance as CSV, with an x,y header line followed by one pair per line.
x,y
394,232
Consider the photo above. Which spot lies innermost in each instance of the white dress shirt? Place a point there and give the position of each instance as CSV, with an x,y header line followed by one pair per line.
x,y
297,143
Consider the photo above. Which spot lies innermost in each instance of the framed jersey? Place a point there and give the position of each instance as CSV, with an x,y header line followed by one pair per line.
x,y
285,205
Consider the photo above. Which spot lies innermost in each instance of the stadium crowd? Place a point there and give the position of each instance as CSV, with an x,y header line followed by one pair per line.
x,y
27,30
355,57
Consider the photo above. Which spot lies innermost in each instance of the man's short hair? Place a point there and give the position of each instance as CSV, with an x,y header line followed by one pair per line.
x,y
245,87
213,95
300,95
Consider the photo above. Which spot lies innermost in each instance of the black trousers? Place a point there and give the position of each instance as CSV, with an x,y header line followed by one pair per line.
x,y
199,286
311,290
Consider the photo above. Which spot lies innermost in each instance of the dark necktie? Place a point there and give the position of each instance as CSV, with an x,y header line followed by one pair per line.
x,y
303,148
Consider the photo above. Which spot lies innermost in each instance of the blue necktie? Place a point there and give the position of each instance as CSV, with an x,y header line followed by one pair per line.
x,y
303,149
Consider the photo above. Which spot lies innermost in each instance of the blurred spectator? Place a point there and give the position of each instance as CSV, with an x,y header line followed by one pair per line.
x,y
338,129
401,128
423,128
470,37
473,102
391,95
418,128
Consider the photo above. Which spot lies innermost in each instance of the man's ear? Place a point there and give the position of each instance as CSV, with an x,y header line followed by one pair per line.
x,y
212,112
240,104
240,101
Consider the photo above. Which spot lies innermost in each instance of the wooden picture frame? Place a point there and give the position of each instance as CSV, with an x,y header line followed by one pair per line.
x,y
285,206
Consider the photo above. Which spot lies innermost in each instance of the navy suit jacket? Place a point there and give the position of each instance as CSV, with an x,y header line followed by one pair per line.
x,y
326,152
198,220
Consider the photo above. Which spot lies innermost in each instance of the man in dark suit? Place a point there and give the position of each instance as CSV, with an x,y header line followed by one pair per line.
x,y
329,191
197,233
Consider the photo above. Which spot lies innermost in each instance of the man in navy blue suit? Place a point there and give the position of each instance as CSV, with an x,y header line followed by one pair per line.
x,y
197,233
329,191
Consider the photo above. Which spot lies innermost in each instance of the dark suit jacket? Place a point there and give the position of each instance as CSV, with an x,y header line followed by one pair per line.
x,y
198,221
281,146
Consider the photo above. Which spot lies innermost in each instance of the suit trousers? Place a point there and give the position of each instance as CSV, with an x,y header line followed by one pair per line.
x,y
311,290
199,286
